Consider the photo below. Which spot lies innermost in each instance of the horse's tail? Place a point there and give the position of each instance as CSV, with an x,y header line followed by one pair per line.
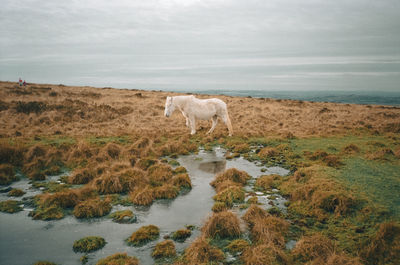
x,y
228,122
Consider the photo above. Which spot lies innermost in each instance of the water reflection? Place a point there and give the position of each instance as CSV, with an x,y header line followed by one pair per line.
x,y
213,166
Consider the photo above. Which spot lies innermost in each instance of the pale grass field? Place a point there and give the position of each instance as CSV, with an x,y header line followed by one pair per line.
x,y
77,111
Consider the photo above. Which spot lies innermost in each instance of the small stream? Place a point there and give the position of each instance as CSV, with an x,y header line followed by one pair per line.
x,y
25,241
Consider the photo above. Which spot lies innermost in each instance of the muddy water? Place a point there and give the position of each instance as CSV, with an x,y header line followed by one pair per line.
x,y
24,241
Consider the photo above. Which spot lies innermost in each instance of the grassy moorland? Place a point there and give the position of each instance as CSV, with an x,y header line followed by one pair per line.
x,y
343,189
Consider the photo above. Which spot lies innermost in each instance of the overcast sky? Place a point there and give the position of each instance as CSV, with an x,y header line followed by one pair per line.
x,y
217,44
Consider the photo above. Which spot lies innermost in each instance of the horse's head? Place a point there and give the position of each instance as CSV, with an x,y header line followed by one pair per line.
x,y
169,107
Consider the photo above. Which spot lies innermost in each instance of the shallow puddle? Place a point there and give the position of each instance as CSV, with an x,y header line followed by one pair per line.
x,y
24,241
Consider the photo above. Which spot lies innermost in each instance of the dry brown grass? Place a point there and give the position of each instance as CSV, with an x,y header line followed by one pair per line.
x,y
222,225
268,152
268,182
166,191
111,113
181,181
143,235
384,246
117,259
269,230
201,252
254,213
315,247
232,174
264,254
92,208
159,174
143,196
164,249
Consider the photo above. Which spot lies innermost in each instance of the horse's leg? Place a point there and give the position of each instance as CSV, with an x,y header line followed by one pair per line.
x,y
214,120
192,122
227,121
186,117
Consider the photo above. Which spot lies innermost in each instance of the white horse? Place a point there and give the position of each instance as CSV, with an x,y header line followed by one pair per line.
x,y
193,108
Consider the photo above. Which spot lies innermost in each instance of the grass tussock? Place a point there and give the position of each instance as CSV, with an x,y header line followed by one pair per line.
x,y
89,244
145,162
159,174
82,176
384,246
238,246
117,259
143,196
143,235
123,217
269,230
10,206
166,191
181,235
44,262
181,181
313,248
119,183
230,195
201,252
180,170
254,213
320,194
16,193
92,208
222,225
268,152
351,149
264,254
11,154
219,207
52,212
268,182
164,249
384,153
233,175
7,174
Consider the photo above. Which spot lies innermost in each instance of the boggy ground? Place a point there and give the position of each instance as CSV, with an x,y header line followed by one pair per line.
x,y
343,189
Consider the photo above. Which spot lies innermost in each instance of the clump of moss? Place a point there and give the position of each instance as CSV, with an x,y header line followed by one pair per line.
x,y
52,212
230,195
181,235
268,182
164,249
233,175
179,170
166,191
10,206
7,174
16,193
92,208
118,258
144,235
89,244
238,246
182,181
222,225
384,246
173,163
123,217
142,197
201,252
